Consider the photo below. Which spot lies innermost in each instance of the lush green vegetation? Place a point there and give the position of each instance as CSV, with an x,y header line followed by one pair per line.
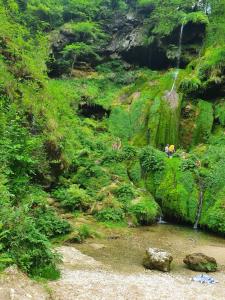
x,y
90,139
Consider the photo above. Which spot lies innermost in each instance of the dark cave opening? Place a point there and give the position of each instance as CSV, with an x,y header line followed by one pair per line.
x,y
154,56
151,56
92,110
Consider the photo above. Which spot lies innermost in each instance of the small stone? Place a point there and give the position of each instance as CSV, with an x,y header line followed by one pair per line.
x,y
200,262
12,270
97,246
157,259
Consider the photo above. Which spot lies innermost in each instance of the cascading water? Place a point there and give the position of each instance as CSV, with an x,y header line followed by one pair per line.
x,y
178,56
199,211
161,221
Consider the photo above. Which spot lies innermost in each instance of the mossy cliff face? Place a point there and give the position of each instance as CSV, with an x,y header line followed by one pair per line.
x,y
178,192
148,111
144,112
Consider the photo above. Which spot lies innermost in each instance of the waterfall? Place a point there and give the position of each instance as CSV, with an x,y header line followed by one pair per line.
x,y
161,221
199,211
178,56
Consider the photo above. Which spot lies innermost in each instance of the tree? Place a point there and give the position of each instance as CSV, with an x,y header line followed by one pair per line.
x,y
77,50
88,37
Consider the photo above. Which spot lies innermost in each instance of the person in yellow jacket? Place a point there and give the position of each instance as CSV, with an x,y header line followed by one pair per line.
x,y
171,150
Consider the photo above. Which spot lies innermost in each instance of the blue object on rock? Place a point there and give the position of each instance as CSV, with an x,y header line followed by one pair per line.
x,y
204,279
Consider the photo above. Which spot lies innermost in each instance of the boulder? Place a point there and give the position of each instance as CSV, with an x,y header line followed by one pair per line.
x,y
200,262
157,259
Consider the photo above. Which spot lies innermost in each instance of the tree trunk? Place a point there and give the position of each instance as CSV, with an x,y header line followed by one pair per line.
x,y
72,66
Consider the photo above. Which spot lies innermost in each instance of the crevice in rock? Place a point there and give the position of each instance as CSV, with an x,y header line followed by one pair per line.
x,y
92,110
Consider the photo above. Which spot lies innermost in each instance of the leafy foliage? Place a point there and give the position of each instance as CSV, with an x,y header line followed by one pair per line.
x,y
110,214
151,160
145,211
73,198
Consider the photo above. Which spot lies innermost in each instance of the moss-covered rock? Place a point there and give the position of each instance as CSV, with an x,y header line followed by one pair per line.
x,y
177,192
200,262
204,122
145,209
157,259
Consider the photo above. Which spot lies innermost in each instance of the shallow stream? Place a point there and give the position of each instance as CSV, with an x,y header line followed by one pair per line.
x,y
112,267
123,250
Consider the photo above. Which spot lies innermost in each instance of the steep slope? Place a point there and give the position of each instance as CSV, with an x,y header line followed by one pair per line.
x,y
87,107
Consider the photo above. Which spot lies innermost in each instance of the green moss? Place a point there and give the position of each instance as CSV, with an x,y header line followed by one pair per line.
x,y
145,210
190,84
163,124
213,211
120,123
110,215
149,115
73,198
196,17
204,122
212,64
220,112
134,171
214,217
204,267
151,160
177,192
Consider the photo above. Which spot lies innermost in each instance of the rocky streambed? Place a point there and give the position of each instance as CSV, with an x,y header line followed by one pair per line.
x,y
111,268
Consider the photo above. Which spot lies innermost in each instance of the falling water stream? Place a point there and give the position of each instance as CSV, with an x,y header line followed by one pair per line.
x,y
161,220
199,211
178,57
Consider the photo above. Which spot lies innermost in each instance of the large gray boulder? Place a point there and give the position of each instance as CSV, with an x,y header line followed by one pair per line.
x,y
157,259
200,262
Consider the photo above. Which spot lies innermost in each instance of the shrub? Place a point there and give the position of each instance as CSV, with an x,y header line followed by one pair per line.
x,y
220,112
145,211
5,260
190,85
110,214
124,193
189,164
134,172
196,17
129,152
151,160
73,198
113,156
49,223
27,247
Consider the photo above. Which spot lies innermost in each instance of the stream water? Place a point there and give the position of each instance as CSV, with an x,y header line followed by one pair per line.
x,y
199,211
124,252
110,268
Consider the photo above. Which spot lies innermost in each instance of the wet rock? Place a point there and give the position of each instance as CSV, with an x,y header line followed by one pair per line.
x,y
200,262
172,98
157,259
